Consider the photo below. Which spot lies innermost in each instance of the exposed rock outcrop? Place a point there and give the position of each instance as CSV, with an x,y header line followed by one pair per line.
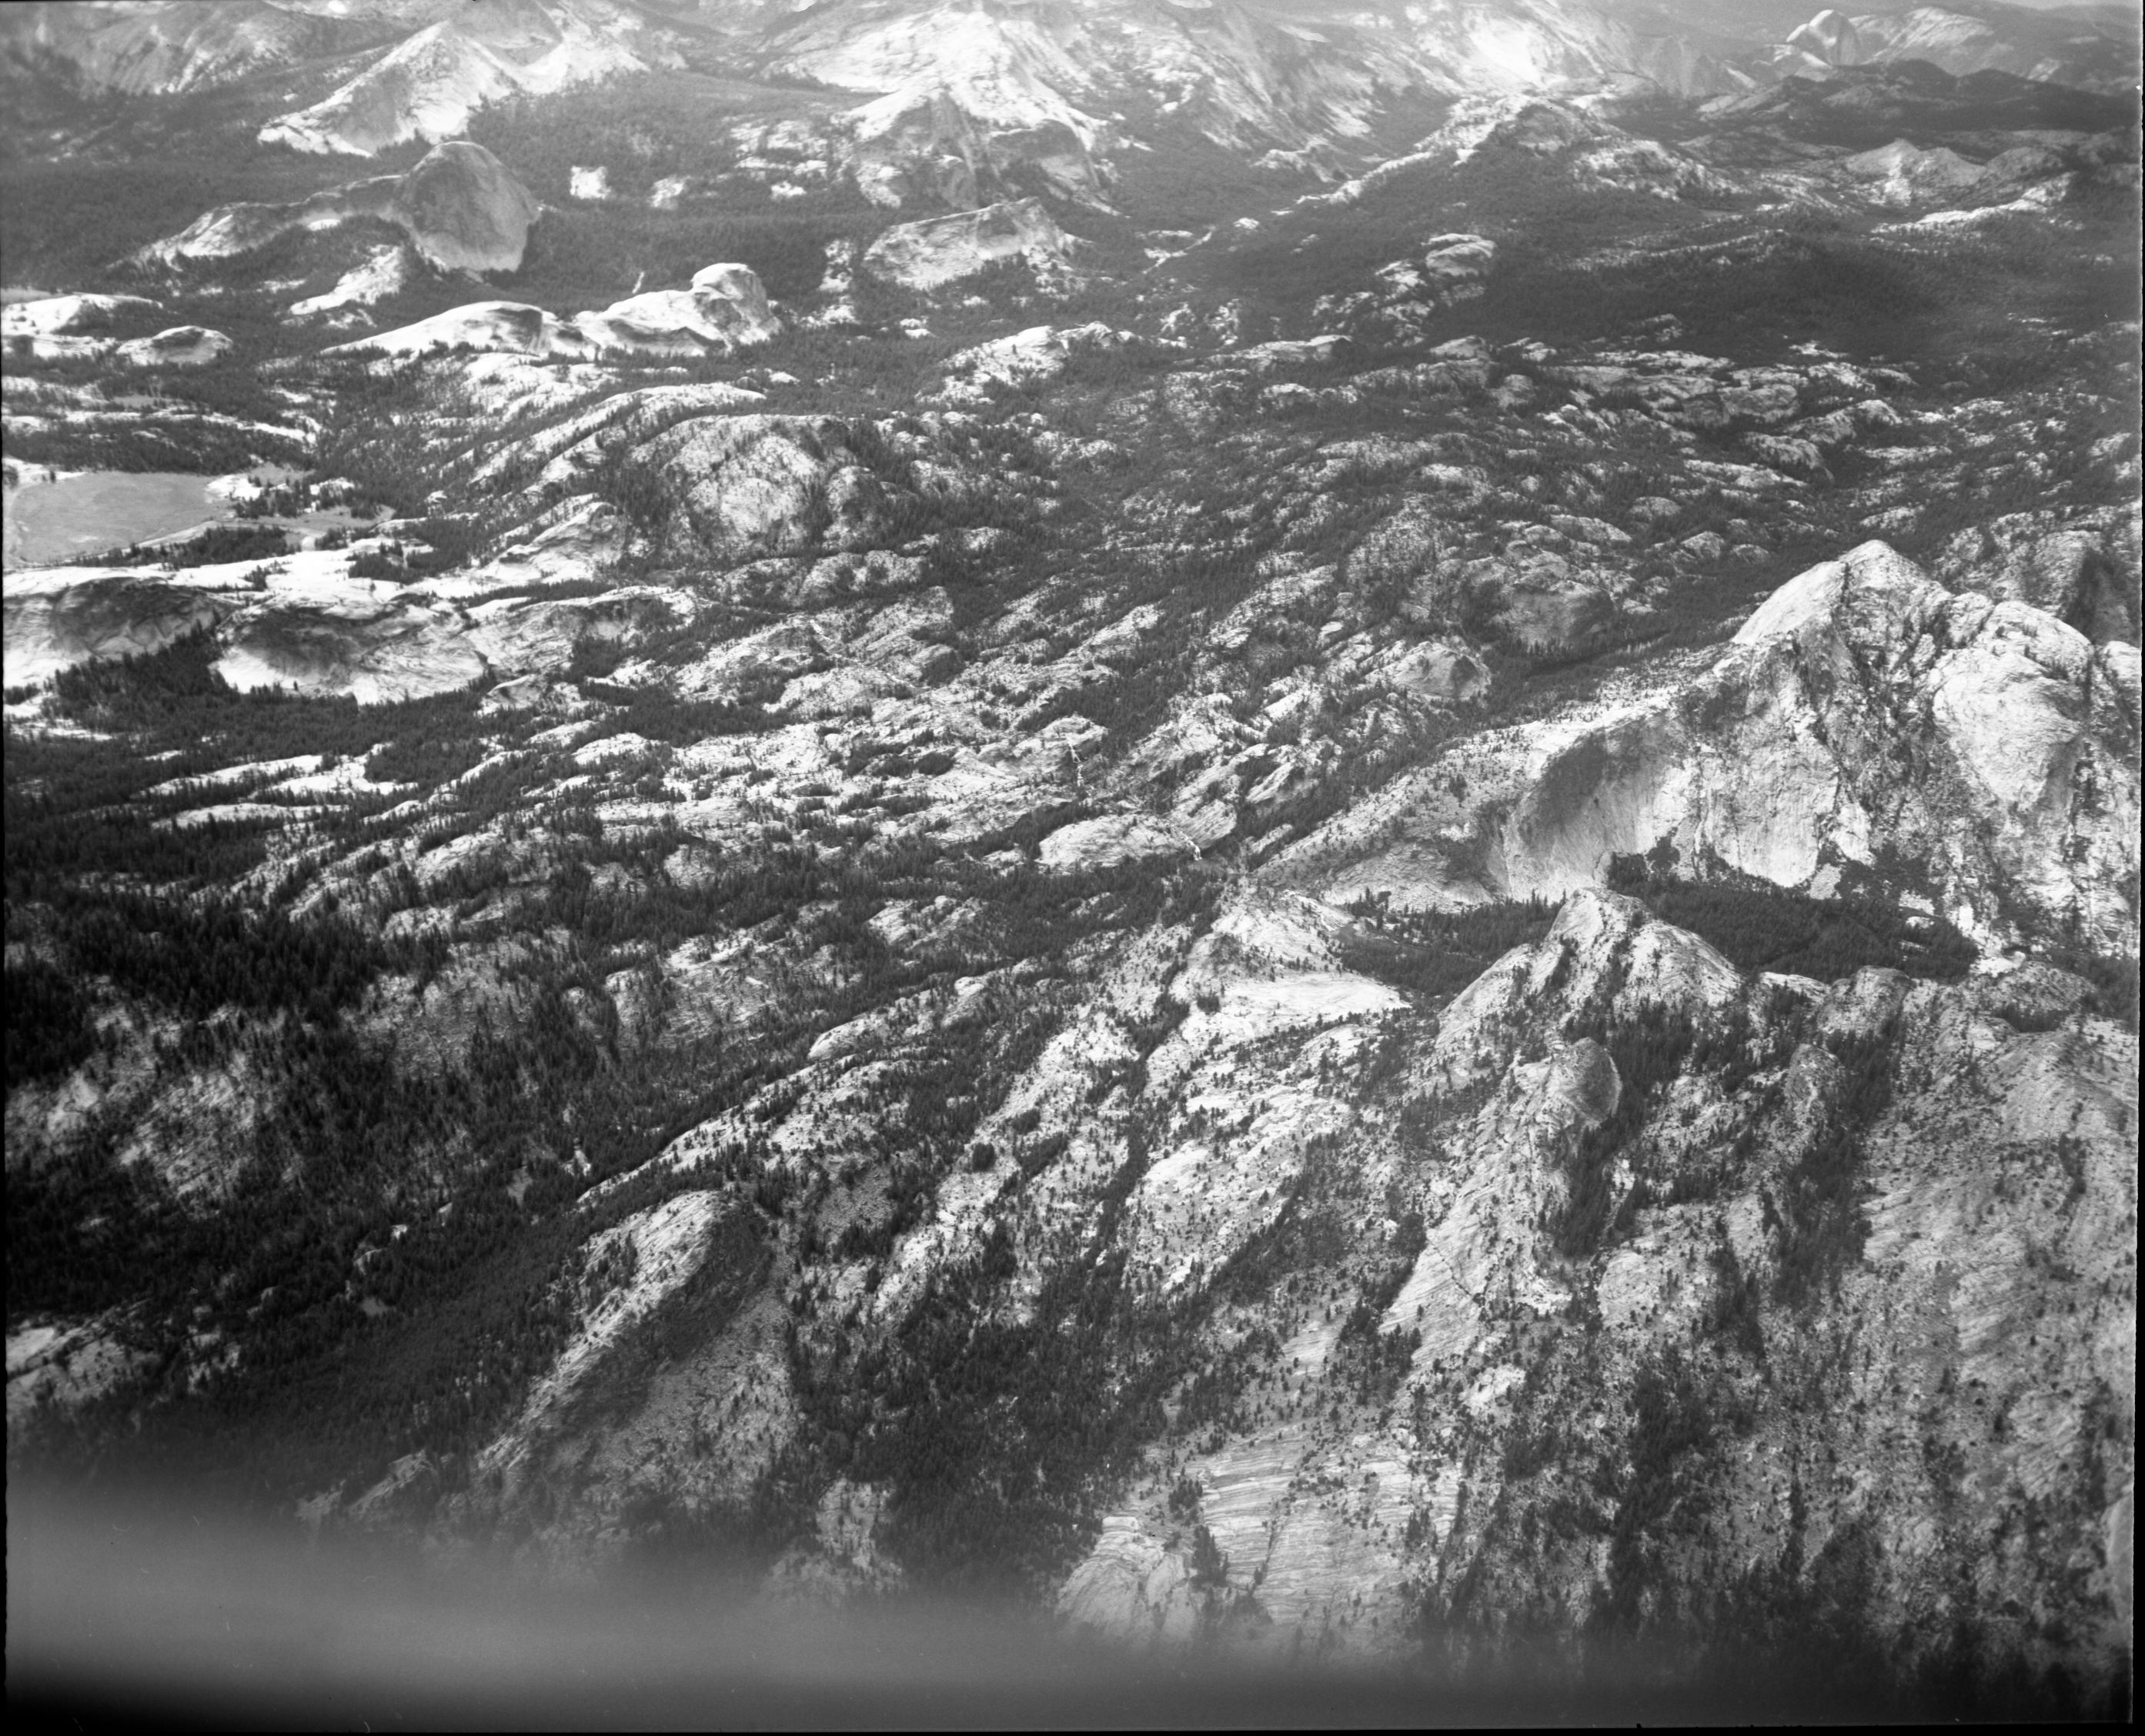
x,y
1829,39
1864,715
1907,175
182,347
463,211
60,328
49,629
752,484
386,273
725,310
920,146
939,250
460,205
52,315
2082,571
1329,1530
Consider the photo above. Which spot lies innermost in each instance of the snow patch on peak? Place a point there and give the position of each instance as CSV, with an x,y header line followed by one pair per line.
x,y
429,84
426,88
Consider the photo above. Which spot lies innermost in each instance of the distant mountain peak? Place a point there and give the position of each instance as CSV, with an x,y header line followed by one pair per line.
x,y
1831,37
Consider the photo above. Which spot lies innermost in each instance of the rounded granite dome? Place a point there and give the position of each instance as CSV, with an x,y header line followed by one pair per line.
x,y
463,210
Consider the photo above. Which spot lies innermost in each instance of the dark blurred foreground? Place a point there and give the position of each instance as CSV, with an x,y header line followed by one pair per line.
x,y
167,1614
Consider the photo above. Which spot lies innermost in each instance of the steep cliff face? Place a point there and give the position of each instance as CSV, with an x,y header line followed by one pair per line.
x,y
1829,39
463,211
1739,1293
1864,720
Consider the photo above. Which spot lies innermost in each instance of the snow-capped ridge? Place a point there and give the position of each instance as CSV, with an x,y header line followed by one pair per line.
x,y
169,49
429,85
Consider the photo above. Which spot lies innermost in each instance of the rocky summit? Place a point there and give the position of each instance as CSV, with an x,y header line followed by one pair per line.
x,y
1288,836
459,207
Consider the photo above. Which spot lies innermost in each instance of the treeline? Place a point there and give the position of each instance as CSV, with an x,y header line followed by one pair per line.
x,y
996,1434
382,438
48,1023
2113,976
1437,954
73,214
175,699
387,1253
55,838
1817,1219
191,955
585,256
196,956
437,543
1761,926
77,807
1678,1409
1370,1363
213,547
142,688
1648,1049
200,448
